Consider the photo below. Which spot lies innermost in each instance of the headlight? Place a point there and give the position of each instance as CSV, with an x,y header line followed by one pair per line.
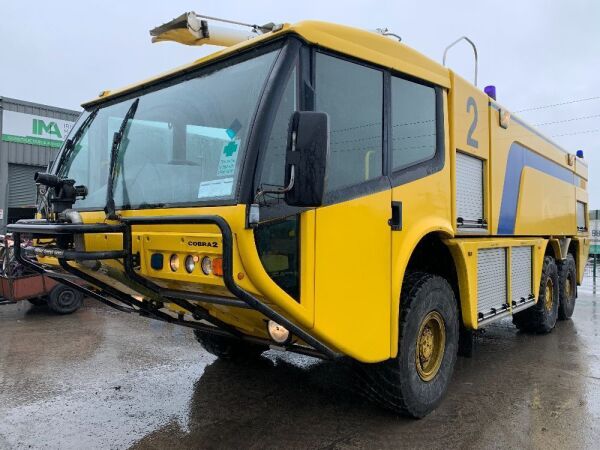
x,y
278,333
174,263
206,265
190,263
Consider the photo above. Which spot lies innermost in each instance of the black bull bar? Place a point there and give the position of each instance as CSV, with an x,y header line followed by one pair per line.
x,y
40,229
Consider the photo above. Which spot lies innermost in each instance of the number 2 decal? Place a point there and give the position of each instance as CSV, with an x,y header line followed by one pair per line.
x,y
470,139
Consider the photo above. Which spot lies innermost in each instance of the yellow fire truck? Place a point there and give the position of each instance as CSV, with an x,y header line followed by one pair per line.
x,y
318,189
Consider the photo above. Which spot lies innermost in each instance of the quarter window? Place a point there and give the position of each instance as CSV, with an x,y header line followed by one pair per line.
x,y
352,95
273,170
414,131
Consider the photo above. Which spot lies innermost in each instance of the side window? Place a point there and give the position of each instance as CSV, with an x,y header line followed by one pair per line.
x,y
352,95
277,241
414,131
272,174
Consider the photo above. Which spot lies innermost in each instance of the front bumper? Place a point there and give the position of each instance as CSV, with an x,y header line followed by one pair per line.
x,y
65,233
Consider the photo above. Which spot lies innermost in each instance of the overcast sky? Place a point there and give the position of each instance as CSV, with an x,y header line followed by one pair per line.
x,y
537,53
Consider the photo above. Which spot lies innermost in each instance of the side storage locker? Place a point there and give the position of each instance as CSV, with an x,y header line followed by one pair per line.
x,y
491,282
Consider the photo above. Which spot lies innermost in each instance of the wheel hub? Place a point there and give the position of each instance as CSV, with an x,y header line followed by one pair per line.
x,y
66,298
549,297
431,343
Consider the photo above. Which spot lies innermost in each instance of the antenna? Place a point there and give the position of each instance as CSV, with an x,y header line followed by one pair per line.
x,y
387,32
463,38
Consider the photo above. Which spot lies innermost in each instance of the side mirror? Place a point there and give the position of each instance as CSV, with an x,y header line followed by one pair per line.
x,y
306,158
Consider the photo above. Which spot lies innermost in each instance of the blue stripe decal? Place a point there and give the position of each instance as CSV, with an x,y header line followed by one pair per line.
x,y
520,157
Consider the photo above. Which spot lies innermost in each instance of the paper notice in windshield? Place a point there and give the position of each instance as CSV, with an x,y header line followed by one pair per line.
x,y
228,158
215,188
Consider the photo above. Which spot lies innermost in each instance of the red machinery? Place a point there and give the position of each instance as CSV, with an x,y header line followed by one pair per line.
x,y
18,284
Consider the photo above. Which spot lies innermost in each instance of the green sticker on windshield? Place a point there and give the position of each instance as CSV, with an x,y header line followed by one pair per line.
x,y
228,159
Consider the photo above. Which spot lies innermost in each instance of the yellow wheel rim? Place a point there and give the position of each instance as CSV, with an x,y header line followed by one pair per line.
x,y
569,289
549,298
431,343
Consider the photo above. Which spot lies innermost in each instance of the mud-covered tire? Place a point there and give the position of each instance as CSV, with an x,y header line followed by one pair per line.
x,y
541,318
38,301
567,280
397,383
64,300
228,348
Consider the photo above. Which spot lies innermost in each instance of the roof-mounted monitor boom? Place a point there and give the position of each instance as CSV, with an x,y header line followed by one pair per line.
x,y
193,29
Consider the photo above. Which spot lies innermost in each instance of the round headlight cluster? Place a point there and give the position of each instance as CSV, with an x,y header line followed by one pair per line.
x,y
190,263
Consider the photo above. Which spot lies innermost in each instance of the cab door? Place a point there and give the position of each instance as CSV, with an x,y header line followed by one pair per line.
x,y
353,236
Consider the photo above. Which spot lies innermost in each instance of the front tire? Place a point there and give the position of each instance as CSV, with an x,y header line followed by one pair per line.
x,y
228,348
541,318
567,279
416,380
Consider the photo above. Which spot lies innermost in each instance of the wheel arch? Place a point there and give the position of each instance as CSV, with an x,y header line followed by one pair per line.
x,y
575,248
401,261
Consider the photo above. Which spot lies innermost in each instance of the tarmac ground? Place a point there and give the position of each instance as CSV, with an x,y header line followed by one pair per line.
x,y
104,379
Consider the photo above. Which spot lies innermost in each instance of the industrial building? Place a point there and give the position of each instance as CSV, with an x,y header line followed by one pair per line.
x,y
595,232
31,135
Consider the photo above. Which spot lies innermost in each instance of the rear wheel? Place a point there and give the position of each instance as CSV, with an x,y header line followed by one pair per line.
x,y
567,279
415,381
228,348
64,300
541,318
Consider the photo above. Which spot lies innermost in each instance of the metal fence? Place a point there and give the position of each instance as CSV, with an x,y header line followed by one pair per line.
x,y
591,277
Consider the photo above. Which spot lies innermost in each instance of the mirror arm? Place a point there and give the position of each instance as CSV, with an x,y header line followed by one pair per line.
x,y
290,185
254,211
288,188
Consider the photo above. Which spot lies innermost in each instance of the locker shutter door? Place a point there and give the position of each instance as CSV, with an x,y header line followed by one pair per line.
x,y
469,190
21,187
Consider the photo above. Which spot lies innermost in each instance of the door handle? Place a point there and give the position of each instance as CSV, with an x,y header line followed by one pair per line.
x,y
396,221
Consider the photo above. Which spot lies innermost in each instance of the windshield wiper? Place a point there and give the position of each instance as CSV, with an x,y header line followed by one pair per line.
x,y
72,143
145,205
118,138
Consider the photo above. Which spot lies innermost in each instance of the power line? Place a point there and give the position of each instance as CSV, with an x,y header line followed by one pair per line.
x,y
597,130
568,102
574,119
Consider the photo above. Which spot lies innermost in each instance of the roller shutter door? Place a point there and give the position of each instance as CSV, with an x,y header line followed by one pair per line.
x,y
21,187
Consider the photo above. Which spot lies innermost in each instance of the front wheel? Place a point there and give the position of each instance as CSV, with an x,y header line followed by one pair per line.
x,y
416,380
228,348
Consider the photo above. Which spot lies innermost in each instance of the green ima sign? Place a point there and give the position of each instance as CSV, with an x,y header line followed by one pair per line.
x,y
29,129
51,128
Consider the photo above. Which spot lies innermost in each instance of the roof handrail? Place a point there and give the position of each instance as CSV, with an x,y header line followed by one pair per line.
x,y
462,38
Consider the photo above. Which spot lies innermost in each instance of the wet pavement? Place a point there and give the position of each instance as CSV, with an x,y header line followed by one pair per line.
x,y
105,379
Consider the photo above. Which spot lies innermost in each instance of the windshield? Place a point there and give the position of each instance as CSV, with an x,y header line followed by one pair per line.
x,y
185,143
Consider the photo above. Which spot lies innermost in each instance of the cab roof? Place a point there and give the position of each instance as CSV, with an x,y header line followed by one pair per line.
x,y
365,45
